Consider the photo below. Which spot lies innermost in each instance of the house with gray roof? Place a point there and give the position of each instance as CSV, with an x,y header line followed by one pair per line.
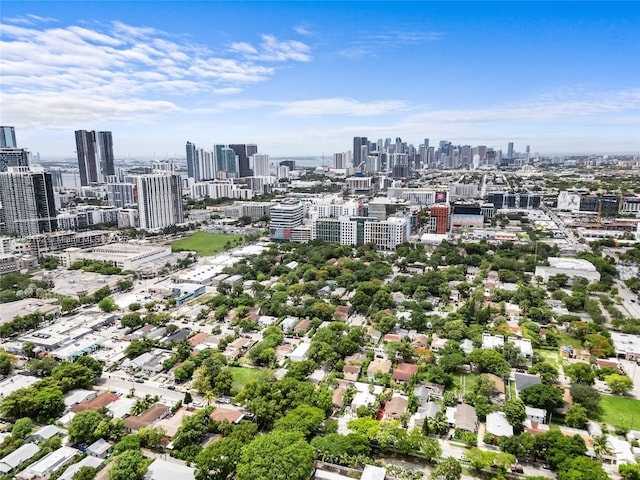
x,y
524,380
16,458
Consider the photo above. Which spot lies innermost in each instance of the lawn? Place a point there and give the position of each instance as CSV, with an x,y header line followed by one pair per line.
x,y
205,244
466,381
550,356
243,375
620,411
570,340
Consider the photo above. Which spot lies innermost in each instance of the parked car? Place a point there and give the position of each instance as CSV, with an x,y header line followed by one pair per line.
x,y
546,466
463,458
517,469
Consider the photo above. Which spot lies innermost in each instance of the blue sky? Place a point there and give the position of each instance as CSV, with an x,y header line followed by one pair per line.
x,y
303,78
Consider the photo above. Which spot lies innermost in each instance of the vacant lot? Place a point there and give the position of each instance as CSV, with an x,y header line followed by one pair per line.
x,y
242,376
205,243
621,411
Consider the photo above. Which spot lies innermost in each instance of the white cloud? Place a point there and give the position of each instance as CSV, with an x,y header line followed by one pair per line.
x,y
303,29
121,65
341,106
549,106
273,50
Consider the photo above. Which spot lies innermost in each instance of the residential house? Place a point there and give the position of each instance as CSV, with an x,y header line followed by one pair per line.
x,y
96,403
465,417
524,380
404,372
378,366
438,343
356,358
491,342
301,352
45,433
337,398
351,372
538,415
499,393
428,391
146,419
88,461
498,425
49,464
429,410
164,470
99,449
374,335
395,408
16,458
170,425
303,326
230,415
420,341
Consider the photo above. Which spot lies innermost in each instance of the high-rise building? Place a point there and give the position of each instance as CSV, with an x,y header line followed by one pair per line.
x,y
244,151
191,160
28,202
360,150
284,218
159,200
340,160
205,165
439,219
510,151
226,162
260,165
95,156
121,195
13,157
8,137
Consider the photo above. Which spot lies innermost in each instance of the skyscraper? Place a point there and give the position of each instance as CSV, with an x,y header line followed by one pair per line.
x,y
226,161
244,152
13,157
260,165
510,151
358,150
95,156
159,200
27,199
191,160
8,137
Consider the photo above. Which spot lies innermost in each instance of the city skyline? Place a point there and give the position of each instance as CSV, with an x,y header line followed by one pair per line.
x,y
305,78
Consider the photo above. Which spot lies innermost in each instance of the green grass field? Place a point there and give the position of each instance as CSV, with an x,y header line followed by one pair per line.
x,y
621,411
204,243
552,357
242,376
566,339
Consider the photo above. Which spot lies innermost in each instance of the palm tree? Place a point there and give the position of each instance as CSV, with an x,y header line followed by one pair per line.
x,y
209,397
601,446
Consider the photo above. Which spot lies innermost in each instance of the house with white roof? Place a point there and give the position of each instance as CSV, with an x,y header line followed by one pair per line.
x,y
16,458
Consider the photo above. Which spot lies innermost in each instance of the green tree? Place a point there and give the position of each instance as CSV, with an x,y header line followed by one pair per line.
x,y
619,384
586,396
629,471
581,468
576,416
85,473
580,373
448,469
278,455
542,396
129,465
83,426
218,461
68,304
21,429
91,363
128,442
490,361
514,409
5,364
107,305
305,419
548,373
73,375
29,349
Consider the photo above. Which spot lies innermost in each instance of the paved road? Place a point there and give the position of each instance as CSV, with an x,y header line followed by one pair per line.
x,y
141,389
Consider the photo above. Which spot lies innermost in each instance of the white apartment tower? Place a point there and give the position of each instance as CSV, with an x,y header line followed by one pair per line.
x,y
260,165
159,200
285,217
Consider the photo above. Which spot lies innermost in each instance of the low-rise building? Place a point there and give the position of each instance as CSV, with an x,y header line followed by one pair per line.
x,y
49,464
